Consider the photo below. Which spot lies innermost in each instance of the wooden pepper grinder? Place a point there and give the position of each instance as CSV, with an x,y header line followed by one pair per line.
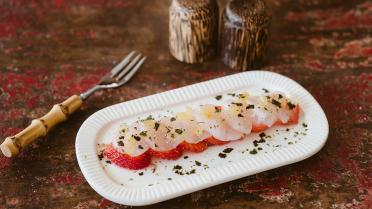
x,y
244,34
193,30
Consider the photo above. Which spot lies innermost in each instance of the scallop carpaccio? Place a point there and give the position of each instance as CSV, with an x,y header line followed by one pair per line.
x,y
196,128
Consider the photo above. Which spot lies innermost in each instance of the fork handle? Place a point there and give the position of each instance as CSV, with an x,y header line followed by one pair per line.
x,y
13,145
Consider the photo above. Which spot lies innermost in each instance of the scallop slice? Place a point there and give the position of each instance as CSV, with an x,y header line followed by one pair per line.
x,y
194,133
157,135
238,117
209,117
132,142
262,113
278,103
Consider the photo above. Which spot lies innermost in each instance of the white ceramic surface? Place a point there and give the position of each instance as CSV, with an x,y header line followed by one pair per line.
x,y
155,184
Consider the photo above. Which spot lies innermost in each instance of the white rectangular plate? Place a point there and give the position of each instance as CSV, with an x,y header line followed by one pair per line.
x,y
152,185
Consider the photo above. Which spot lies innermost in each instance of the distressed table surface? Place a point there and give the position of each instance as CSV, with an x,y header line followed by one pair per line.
x,y
52,49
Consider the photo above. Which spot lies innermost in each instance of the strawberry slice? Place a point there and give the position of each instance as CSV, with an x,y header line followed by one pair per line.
x,y
172,154
213,141
197,147
259,127
125,160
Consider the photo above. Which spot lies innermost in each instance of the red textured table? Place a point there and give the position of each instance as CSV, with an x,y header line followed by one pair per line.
x,y
52,49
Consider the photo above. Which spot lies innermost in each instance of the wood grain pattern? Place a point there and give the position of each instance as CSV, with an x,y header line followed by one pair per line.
x,y
244,34
193,30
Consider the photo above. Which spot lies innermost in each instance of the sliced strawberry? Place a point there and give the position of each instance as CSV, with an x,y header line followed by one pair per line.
x,y
197,147
213,141
259,127
125,160
172,154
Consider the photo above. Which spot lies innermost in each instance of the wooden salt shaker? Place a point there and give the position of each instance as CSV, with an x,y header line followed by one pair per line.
x,y
244,34
193,30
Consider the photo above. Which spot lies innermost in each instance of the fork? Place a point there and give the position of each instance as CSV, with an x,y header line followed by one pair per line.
x,y
118,76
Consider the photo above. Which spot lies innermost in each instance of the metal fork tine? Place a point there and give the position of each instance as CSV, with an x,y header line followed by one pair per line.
x,y
135,69
128,67
122,64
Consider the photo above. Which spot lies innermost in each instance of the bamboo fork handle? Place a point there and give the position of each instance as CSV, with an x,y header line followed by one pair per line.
x,y
40,127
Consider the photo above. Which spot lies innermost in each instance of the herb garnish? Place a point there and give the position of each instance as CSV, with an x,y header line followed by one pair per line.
x,y
172,119
140,147
228,150
156,126
237,103
280,96
261,135
137,138
121,137
179,131
276,103
120,143
149,117
222,155
240,115
197,163
231,94
218,97
143,133
177,167
304,125
290,105
140,173
265,90
253,152
251,106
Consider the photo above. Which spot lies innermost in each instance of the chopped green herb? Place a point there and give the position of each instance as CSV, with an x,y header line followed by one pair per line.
x,y
280,96
100,156
261,141
140,173
185,157
137,138
304,125
169,179
218,97
121,137
179,131
140,147
240,115
276,103
156,126
261,135
259,148
291,106
197,163
253,152
222,155
265,90
237,103
149,117
177,167
120,143
228,150
143,133
172,119
108,162
251,106
231,94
